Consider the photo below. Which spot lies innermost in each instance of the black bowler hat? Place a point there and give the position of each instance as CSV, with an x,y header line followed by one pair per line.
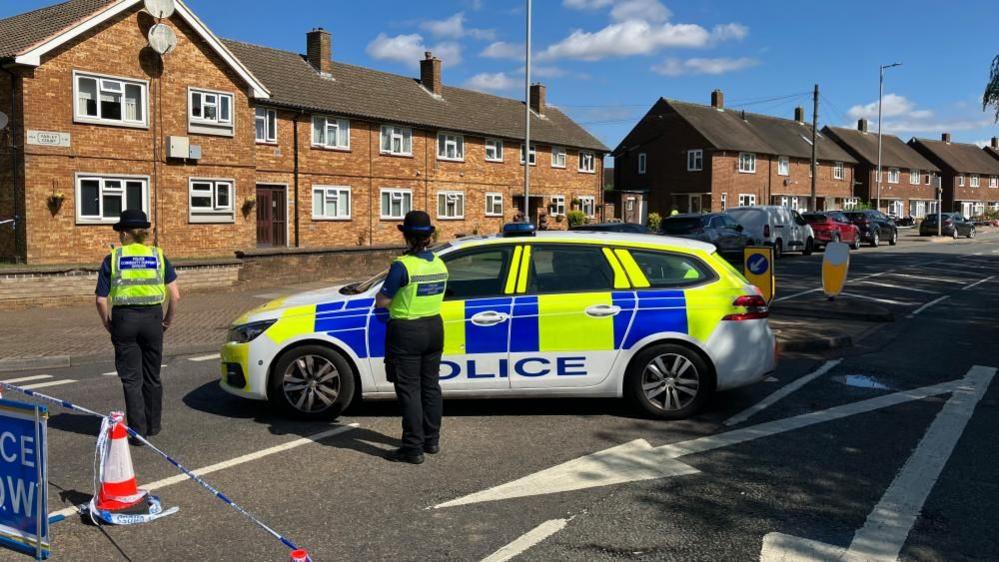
x,y
131,218
416,222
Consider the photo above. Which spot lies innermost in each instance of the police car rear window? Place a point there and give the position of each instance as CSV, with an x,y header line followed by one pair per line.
x,y
671,270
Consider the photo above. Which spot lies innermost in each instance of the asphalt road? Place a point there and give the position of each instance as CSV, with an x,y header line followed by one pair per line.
x,y
885,447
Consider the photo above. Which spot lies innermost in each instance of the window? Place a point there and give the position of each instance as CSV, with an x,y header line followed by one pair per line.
x,y
670,270
557,206
211,200
724,201
396,203
993,181
494,204
569,269
533,155
877,176
783,166
960,181
266,125
588,205
494,150
893,175
838,171
642,161
330,202
849,203
450,146
477,273
747,163
101,199
558,157
974,181
914,176
587,162
695,160
747,199
330,132
450,205
107,100
210,108
397,140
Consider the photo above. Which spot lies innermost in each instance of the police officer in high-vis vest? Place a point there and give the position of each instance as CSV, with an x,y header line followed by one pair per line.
x,y
412,293
134,282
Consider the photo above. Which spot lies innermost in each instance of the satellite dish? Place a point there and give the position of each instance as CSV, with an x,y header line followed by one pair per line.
x,y
162,39
160,8
3,120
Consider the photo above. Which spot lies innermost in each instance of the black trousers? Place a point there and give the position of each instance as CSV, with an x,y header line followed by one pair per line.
x,y
413,362
137,335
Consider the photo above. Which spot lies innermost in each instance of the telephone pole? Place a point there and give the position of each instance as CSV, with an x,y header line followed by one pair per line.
x,y
815,127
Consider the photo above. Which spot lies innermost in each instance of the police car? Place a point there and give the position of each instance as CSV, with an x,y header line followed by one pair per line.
x,y
664,322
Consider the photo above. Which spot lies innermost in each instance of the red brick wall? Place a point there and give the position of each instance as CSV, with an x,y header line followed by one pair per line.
x,y
904,190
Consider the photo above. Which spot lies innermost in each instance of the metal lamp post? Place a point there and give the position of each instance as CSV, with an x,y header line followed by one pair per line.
x,y
881,90
527,119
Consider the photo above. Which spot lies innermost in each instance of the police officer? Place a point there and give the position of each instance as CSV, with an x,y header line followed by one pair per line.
x,y
413,292
134,282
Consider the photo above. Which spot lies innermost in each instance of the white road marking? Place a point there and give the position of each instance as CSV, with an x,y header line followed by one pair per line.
x,y
201,358
877,299
114,373
857,280
233,462
49,383
527,540
26,379
928,278
927,305
979,282
779,394
901,287
888,525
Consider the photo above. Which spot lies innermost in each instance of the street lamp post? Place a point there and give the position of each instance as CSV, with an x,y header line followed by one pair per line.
x,y
881,91
527,118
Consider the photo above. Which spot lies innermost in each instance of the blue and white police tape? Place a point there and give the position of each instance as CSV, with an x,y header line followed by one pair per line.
x,y
153,506
70,406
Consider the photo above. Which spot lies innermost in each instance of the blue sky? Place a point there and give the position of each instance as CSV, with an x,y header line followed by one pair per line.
x,y
606,61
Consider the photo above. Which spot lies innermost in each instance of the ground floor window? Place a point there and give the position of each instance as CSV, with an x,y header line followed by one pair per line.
x,y
588,205
896,208
994,206
101,199
849,203
931,207
747,199
978,209
724,201
450,205
396,203
917,209
557,206
211,200
792,202
494,204
331,202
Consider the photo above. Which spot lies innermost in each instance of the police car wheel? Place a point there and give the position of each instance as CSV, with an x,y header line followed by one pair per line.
x,y
312,382
669,381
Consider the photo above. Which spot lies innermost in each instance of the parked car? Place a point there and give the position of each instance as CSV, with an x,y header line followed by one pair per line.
x,y
716,228
874,227
629,227
906,221
833,226
775,226
954,225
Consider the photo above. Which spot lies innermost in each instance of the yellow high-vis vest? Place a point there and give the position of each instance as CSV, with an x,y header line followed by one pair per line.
x,y
137,276
423,295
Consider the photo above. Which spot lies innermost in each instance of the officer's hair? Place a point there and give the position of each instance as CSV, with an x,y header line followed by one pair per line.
x,y
417,243
138,234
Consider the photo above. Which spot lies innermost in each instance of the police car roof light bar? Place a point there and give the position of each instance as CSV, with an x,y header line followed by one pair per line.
x,y
518,229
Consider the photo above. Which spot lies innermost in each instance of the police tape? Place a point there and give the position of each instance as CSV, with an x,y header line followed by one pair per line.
x,y
215,492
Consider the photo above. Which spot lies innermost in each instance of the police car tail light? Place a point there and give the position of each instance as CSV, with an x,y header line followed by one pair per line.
x,y
755,308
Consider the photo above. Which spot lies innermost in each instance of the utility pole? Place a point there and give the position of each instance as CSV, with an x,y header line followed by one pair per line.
x,y
881,90
815,164
527,120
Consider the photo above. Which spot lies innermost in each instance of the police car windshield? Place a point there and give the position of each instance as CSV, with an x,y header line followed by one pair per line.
x,y
365,286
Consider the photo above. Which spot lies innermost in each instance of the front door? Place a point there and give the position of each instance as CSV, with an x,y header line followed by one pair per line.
x,y
272,213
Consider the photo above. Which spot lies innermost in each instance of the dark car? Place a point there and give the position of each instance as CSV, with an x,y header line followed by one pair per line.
x,y
953,225
875,227
833,226
629,227
715,228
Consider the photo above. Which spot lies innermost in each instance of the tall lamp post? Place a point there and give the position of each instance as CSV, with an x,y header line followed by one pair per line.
x,y
527,119
881,91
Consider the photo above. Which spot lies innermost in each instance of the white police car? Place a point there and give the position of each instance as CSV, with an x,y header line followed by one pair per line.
x,y
662,321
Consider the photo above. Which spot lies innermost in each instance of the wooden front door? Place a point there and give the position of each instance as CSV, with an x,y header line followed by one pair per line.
x,y
272,216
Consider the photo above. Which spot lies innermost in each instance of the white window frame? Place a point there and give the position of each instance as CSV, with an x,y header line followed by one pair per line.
x,y
993,181
217,213
396,132
446,140
894,175
328,123
839,171
394,192
79,117
850,203
269,118
492,199
783,166
914,176
975,180
724,201
747,163
558,156
497,146
446,198
643,162
960,181
695,160
103,179
557,205
218,121
588,205
587,162
339,193
747,199
532,154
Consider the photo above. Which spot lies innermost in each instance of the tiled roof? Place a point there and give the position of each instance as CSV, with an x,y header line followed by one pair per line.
x,y
19,32
894,152
380,96
961,157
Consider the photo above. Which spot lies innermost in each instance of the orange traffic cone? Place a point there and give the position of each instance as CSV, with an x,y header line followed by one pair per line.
x,y
118,486
300,555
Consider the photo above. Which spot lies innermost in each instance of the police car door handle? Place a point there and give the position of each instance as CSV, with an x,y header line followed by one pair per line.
x,y
603,310
489,318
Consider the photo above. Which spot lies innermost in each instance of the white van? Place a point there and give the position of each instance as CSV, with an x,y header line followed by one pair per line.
x,y
776,226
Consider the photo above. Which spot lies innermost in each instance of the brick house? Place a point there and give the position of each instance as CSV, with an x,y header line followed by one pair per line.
x,y
970,176
230,146
909,180
703,158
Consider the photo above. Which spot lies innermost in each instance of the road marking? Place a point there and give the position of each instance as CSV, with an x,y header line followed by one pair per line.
x,y
857,280
201,358
877,299
113,373
979,282
928,278
49,383
781,393
233,462
26,379
927,305
888,525
901,287
527,540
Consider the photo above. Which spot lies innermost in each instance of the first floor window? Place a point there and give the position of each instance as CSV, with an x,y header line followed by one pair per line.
x,y
558,157
266,125
588,205
450,205
102,99
587,162
695,160
213,108
396,203
494,150
974,181
558,205
533,156
914,176
331,202
101,199
747,163
993,181
838,171
329,132
724,201
494,204
450,146
747,199
211,200
960,181
397,140
642,163
783,166
893,175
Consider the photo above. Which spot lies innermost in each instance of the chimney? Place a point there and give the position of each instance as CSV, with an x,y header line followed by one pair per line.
x,y
799,114
717,99
430,73
995,143
945,137
538,98
863,126
319,51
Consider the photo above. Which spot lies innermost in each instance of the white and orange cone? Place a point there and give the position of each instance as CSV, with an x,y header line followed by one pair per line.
x,y
118,487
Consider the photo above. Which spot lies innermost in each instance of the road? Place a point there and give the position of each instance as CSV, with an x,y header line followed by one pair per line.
x,y
887,447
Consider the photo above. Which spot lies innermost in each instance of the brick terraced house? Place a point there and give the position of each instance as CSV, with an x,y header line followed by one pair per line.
x,y
231,146
703,158
908,179
970,175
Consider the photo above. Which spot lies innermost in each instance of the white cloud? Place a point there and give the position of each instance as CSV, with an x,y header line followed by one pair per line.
x,y
493,82
587,4
625,39
982,143
729,32
650,10
409,48
454,28
892,105
677,67
503,50
901,116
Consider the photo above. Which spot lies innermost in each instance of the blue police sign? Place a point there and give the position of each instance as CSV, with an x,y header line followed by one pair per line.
x,y
24,522
757,264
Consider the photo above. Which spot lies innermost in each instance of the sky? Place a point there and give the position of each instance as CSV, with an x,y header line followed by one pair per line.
x,y
605,62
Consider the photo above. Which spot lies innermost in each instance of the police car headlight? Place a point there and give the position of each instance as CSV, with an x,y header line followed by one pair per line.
x,y
248,332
